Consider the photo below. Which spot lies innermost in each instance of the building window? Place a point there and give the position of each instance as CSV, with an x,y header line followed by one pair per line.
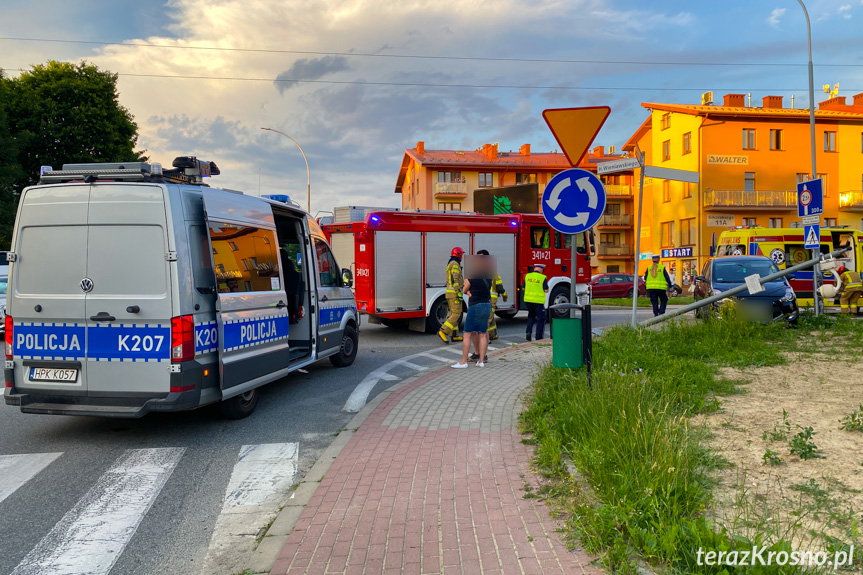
x,y
748,139
485,180
667,234
449,206
750,222
666,191
233,246
829,141
525,178
612,209
749,182
688,231
776,140
609,239
666,121
612,269
687,189
666,150
775,223
802,178
829,222
687,142
795,224
449,177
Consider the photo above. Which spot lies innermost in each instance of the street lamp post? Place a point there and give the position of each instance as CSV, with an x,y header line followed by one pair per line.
x,y
308,173
816,276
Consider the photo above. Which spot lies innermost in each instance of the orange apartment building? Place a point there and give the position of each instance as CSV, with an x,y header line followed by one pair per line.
x,y
750,160
447,179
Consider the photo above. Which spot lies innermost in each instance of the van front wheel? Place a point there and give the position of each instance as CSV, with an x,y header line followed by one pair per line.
x,y
348,350
240,406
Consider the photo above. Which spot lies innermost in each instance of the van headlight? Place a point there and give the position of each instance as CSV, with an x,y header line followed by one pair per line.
x,y
789,295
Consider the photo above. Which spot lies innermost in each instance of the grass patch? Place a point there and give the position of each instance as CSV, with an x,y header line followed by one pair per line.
x,y
631,438
642,301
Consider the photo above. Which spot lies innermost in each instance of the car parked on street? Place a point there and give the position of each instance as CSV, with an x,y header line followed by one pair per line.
x,y
614,285
777,302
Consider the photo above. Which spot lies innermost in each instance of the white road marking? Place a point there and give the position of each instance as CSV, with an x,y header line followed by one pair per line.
x,y
411,365
260,472
259,484
89,539
16,470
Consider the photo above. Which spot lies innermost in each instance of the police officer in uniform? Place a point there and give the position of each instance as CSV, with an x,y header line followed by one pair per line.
x,y
535,288
851,290
454,284
657,283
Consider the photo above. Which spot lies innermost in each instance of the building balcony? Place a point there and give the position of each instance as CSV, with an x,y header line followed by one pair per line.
x,y
615,250
618,190
615,221
450,190
851,201
750,199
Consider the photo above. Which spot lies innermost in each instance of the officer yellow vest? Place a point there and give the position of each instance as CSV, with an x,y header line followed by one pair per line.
x,y
657,281
851,280
533,292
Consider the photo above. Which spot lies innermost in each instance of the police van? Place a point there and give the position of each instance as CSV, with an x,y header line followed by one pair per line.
x,y
134,289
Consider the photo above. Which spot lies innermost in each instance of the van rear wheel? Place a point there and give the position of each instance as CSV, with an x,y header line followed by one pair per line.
x,y
240,406
348,350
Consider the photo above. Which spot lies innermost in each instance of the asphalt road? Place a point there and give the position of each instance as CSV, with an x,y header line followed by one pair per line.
x,y
39,520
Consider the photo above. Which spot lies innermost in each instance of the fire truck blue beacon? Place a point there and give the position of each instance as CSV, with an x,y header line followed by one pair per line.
x,y
135,288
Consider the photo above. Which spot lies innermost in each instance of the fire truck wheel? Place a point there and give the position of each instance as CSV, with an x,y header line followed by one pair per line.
x,y
437,315
507,313
348,350
560,294
240,406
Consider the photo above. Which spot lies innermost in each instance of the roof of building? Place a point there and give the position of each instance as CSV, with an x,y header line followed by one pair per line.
x,y
507,161
645,127
803,113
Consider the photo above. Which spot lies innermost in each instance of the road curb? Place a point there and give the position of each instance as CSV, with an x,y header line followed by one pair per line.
x,y
262,559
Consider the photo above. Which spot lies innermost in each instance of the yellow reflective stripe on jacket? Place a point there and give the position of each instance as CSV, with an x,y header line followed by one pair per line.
x,y
851,280
657,281
497,282
454,281
533,292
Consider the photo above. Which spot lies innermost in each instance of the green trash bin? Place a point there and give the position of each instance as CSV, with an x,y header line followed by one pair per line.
x,y
567,349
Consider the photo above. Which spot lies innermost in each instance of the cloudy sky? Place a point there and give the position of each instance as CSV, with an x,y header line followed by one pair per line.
x,y
358,81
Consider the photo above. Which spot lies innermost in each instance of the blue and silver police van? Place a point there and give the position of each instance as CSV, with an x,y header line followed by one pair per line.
x,y
134,288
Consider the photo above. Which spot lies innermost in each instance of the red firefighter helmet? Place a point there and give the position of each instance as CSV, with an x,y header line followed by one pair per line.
x,y
841,270
457,252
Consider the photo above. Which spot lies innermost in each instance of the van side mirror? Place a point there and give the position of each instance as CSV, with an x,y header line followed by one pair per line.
x,y
347,278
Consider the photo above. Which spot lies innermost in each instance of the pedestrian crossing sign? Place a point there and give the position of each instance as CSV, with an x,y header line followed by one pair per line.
x,y
812,235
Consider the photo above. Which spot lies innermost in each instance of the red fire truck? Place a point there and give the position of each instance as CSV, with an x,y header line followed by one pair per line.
x,y
399,258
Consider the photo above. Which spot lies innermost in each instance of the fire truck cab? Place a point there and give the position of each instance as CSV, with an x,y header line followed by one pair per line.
x,y
785,246
399,258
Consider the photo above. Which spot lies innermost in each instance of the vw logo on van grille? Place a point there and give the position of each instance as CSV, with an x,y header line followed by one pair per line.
x,y
86,285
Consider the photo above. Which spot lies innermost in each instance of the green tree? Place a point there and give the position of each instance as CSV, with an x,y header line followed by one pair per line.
x,y
59,113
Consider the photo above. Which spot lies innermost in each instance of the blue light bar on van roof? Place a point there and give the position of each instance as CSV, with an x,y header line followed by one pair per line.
x,y
284,198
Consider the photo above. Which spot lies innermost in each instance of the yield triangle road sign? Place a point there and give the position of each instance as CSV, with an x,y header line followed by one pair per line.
x,y
575,128
812,235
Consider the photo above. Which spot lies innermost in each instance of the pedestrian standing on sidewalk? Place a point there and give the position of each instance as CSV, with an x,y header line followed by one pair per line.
x,y
535,290
657,283
478,290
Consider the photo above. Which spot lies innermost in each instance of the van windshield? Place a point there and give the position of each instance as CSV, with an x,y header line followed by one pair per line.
x,y
737,271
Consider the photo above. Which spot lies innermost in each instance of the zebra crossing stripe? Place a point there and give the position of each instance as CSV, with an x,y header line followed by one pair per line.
x,y
16,470
261,472
89,539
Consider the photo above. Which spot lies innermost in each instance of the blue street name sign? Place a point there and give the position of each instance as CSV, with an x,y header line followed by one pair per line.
x,y
573,201
810,198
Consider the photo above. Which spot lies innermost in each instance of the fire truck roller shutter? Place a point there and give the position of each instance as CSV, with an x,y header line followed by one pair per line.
x,y
502,247
438,248
398,271
342,244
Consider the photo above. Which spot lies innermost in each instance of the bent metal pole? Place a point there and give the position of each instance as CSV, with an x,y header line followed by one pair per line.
x,y
741,288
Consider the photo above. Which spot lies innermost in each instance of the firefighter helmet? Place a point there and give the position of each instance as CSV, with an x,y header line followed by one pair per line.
x,y
457,252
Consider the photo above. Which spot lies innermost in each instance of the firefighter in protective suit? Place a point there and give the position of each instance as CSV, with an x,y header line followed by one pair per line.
x,y
852,289
454,284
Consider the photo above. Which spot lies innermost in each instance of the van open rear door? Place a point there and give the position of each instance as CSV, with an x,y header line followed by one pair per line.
x,y
251,311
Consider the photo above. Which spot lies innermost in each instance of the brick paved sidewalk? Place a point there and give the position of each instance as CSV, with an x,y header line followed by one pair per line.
x,y
432,482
